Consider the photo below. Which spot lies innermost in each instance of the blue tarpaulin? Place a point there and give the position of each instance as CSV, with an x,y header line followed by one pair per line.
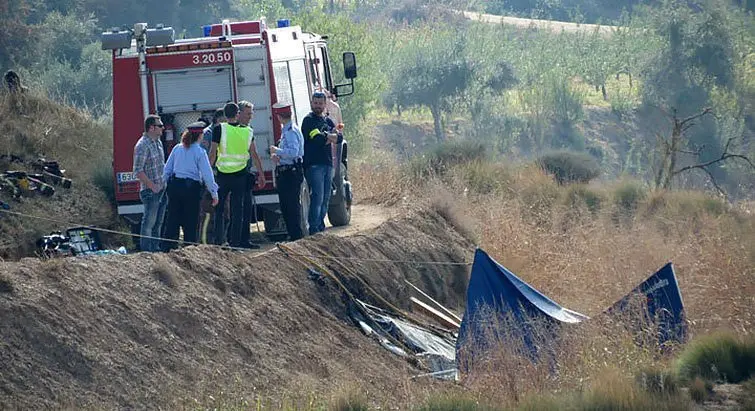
x,y
664,305
494,292
500,307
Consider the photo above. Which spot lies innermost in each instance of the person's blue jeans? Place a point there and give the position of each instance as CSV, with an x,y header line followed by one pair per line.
x,y
319,178
152,218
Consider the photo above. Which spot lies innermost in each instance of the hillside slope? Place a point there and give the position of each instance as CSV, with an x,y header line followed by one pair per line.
x,y
35,127
144,330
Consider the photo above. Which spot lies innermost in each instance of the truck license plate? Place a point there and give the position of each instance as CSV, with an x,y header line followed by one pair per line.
x,y
125,177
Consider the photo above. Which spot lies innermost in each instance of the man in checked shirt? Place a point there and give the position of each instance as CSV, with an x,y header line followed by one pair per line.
x,y
149,161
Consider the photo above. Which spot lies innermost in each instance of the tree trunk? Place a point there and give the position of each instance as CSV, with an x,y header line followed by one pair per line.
x,y
660,173
630,80
603,90
676,139
435,109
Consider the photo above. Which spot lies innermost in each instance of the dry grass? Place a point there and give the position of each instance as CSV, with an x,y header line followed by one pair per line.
x,y
700,390
586,259
37,126
454,212
349,399
586,246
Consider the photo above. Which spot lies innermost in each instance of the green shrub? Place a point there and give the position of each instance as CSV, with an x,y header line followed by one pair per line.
x,y
445,156
629,194
658,381
698,203
718,357
565,101
566,136
578,195
485,177
622,105
569,166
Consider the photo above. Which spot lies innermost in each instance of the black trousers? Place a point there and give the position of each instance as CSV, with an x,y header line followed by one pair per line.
x,y
183,210
233,185
289,186
246,219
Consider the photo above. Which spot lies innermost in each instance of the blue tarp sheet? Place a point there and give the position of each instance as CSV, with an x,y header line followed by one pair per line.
x,y
664,305
498,299
495,291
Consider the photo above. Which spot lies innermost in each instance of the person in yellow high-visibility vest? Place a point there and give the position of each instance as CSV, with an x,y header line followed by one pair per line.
x,y
232,144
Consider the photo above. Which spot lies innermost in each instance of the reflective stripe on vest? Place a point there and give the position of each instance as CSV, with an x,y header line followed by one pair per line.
x,y
233,152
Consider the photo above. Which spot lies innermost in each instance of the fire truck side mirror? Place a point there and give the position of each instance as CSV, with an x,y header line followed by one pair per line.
x,y
349,65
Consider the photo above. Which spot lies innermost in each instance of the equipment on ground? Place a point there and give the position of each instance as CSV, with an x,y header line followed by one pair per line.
x,y
26,182
74,241
51,170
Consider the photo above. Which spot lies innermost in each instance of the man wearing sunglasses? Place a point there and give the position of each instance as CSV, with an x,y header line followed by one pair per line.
x,y
149,161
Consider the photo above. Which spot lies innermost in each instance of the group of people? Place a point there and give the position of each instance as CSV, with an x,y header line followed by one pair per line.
x,y
220,160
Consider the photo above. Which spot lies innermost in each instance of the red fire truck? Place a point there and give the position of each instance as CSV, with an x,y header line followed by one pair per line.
x,y
188,79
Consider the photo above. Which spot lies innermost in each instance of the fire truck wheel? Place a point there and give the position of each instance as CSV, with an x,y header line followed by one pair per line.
x,y
339,210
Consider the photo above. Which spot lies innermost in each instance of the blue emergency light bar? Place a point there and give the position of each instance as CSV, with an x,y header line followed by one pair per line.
x,y
284,23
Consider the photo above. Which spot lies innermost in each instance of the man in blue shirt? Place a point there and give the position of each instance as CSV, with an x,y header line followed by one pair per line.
x,y
217,118
289,173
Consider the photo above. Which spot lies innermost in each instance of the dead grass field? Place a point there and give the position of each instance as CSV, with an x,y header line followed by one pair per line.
x,y
586,246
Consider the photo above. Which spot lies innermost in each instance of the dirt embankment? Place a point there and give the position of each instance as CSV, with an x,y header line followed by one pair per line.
x,y
143,330
35,127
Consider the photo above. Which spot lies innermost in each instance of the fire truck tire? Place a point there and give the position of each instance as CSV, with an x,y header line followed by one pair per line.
x,y
339,210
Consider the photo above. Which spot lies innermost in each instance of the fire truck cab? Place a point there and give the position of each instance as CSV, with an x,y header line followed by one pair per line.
x,y
188,79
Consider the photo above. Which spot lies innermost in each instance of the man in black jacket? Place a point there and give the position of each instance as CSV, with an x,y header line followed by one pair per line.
x,y
319,134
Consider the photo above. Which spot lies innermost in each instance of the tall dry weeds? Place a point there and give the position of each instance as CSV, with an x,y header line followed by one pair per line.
x,y
586,247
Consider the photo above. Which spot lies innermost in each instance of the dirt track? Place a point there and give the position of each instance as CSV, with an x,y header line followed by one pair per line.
x,y
552,25
143,330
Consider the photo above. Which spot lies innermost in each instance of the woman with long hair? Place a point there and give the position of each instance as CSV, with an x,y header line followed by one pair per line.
x,y
186,170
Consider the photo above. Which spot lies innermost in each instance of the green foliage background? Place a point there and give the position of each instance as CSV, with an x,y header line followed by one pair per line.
x,y
520,92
